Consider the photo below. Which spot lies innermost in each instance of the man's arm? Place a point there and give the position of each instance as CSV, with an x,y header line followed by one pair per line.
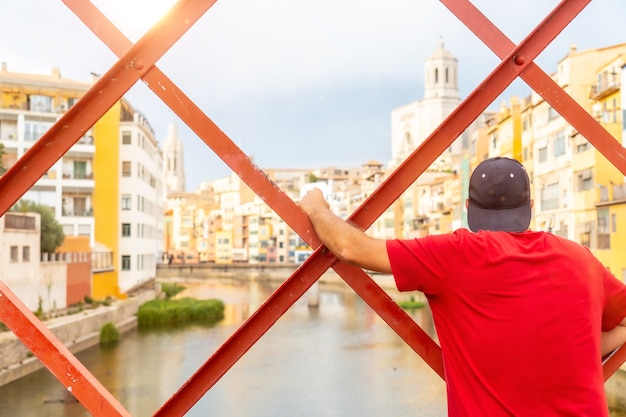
x,y
345,241
614,338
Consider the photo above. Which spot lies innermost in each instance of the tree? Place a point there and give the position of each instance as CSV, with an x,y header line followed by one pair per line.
x,y
2,153
52,235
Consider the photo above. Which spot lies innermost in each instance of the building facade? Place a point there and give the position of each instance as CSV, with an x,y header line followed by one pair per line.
x,y
109,184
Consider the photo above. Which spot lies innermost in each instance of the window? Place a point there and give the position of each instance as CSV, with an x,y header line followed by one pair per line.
x,y
543,154
604,237
14,255
80,169
25,253
560,144
34,130
613,223
550,197
126,170
126,202
524,124
126,138
125,262
552,114
40,103
125,229
68,229
584,233
84,230
80,206
584,180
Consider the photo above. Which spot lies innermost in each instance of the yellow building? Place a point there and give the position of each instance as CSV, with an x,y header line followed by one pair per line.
x,y
608,242
107,187
224,246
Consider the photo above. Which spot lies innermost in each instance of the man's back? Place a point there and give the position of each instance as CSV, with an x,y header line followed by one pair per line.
x,y
518,316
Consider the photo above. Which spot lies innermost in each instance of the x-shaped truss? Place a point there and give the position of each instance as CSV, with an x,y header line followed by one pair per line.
x,y
138,62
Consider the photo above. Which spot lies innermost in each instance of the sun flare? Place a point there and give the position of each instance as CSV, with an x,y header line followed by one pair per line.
x,y
134,17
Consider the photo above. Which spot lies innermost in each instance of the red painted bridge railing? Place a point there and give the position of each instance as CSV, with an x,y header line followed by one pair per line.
x,y
137,62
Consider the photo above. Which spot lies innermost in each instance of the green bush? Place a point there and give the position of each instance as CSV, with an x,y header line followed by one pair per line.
x,y
411,304
109,334
170,312
170,290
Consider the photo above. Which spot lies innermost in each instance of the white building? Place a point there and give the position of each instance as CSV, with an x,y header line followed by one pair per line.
x,y
38,286
412,123
142,202
35,104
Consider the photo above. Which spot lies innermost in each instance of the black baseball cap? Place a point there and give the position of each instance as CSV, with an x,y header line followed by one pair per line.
x,y
499,196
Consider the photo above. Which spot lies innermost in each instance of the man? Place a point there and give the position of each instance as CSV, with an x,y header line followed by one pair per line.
x,y
523,317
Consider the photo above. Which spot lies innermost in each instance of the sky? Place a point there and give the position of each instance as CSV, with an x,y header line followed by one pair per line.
x,y
296,84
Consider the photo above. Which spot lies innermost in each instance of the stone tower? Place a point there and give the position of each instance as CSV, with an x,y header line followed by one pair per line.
x,y
173,159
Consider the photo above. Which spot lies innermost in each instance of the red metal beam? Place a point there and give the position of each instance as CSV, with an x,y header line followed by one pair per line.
x,y
514,63
272,309
614,362
266,191
51,352
449,130
284,206
100,98
42,155
542,83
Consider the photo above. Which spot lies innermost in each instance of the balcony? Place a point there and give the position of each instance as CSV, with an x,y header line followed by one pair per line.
x,y
603,89
613,194
78,175
77,212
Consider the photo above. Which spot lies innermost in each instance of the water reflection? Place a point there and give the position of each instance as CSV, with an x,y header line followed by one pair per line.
x,y
339,359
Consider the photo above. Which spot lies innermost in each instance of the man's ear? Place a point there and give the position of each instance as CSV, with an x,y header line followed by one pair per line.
x,y
467,203
532,203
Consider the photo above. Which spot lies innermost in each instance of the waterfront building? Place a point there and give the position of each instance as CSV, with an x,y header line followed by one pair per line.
x,y
527,140
126,141
29,105
189,226
411,124
43,283
107,187
568,171
607,106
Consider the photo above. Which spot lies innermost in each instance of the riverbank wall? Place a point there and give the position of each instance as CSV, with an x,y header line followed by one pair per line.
x,y
261,272
76,331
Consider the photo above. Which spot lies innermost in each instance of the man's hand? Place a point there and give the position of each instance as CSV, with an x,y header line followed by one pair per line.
x,y
613,338
345,241
313,201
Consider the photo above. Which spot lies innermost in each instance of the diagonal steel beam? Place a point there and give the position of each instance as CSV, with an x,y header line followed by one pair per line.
x,y
433,159
542,83
513,64
273,308
614,362
458,120
51,352
562,102
41,156
284,206
100,98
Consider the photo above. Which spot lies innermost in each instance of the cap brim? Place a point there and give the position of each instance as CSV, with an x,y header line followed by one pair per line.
x,y
507,220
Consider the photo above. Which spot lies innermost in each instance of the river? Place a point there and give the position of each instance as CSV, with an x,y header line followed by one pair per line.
x,y
338,359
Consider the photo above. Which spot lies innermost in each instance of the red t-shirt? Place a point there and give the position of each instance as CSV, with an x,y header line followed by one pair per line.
x,y
518,316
